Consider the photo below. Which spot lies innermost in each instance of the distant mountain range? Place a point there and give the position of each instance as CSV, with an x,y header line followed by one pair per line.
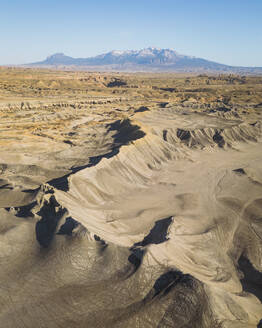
x,y
149,59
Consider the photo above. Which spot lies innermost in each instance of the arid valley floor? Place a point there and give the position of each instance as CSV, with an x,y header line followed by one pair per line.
x,y
130,200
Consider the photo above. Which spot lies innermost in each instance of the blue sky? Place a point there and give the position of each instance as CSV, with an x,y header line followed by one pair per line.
x,y
229,31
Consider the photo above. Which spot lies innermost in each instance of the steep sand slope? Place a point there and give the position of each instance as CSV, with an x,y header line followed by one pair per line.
x,y
159,227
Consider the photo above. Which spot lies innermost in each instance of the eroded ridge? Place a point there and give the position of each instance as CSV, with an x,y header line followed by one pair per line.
x,y
151,219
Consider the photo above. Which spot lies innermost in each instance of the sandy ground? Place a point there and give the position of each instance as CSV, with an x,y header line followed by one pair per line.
x,y
150,218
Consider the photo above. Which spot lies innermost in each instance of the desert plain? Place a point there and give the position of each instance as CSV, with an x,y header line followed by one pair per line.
x,y
130,200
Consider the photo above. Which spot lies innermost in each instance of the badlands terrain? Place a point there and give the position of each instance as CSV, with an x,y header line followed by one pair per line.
x,y
130,200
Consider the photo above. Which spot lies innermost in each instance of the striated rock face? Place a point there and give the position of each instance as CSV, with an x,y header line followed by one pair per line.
x,y
146,217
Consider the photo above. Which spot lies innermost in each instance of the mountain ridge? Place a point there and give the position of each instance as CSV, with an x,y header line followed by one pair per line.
x,y
147,59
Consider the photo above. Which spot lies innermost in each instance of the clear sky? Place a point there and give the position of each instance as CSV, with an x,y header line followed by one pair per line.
x,y
226,31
